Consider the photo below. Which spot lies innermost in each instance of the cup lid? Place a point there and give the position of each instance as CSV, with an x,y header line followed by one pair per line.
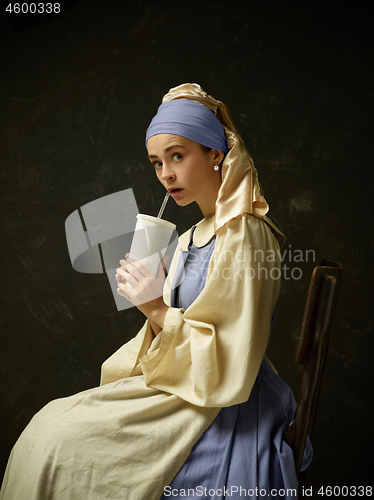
x,y
156,220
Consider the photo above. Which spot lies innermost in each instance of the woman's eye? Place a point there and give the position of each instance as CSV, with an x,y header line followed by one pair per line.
x,y
157,164
177,157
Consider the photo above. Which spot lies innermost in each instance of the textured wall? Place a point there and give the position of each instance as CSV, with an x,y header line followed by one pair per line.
x,y
77,94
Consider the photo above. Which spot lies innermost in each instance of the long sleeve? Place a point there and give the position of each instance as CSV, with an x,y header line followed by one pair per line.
x,y
210,354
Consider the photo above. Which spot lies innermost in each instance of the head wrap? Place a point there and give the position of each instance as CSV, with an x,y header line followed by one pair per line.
x,y
191,120
240,191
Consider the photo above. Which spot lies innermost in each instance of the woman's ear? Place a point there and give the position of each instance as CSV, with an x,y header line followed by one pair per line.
x,y
218,156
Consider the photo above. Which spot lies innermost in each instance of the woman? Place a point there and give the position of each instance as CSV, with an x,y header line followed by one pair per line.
x,y
190,406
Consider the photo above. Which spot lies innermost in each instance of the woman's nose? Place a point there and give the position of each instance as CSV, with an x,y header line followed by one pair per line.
x,y
167,174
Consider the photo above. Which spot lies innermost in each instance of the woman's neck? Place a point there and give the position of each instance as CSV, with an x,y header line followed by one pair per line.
x,y
208,205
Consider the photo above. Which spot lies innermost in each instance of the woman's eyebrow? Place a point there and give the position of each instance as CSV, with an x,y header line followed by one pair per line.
x,y
168,149
174,146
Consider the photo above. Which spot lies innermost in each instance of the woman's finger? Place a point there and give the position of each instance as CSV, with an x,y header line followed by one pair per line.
x,y
136,268
123,272
129,273
121,290
120,278
127,277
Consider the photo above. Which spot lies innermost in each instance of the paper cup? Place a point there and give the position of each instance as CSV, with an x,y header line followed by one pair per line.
x,y
150,241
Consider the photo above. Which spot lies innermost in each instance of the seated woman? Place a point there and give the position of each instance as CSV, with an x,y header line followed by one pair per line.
x,y
190,407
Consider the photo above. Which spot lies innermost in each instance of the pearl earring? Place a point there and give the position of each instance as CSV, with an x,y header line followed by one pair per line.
x,y
216,167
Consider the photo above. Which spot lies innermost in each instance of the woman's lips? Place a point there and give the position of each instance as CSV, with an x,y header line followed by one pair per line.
x,y
176,192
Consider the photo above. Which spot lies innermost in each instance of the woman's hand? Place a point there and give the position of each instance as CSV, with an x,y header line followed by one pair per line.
x,y
146,289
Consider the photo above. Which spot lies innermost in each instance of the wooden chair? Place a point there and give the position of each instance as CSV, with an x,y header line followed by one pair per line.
x,y
311,353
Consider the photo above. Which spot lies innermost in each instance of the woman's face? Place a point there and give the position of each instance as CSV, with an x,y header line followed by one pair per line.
x,y
185,170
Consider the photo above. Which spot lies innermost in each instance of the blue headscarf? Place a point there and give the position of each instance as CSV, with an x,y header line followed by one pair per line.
x,y
191,120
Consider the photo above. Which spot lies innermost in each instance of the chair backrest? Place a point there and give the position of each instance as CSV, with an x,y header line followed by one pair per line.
x,y
312,352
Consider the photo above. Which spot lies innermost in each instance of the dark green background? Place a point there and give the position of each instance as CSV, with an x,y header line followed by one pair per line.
x,y
78,91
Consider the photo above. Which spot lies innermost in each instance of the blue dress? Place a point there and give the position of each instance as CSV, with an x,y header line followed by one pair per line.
x,y
242,453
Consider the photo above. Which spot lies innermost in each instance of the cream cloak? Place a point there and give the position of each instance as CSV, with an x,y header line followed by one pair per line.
x,y
130,436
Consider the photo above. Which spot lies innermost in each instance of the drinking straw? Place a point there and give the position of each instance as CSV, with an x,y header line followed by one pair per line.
x,y
163,205
158,217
